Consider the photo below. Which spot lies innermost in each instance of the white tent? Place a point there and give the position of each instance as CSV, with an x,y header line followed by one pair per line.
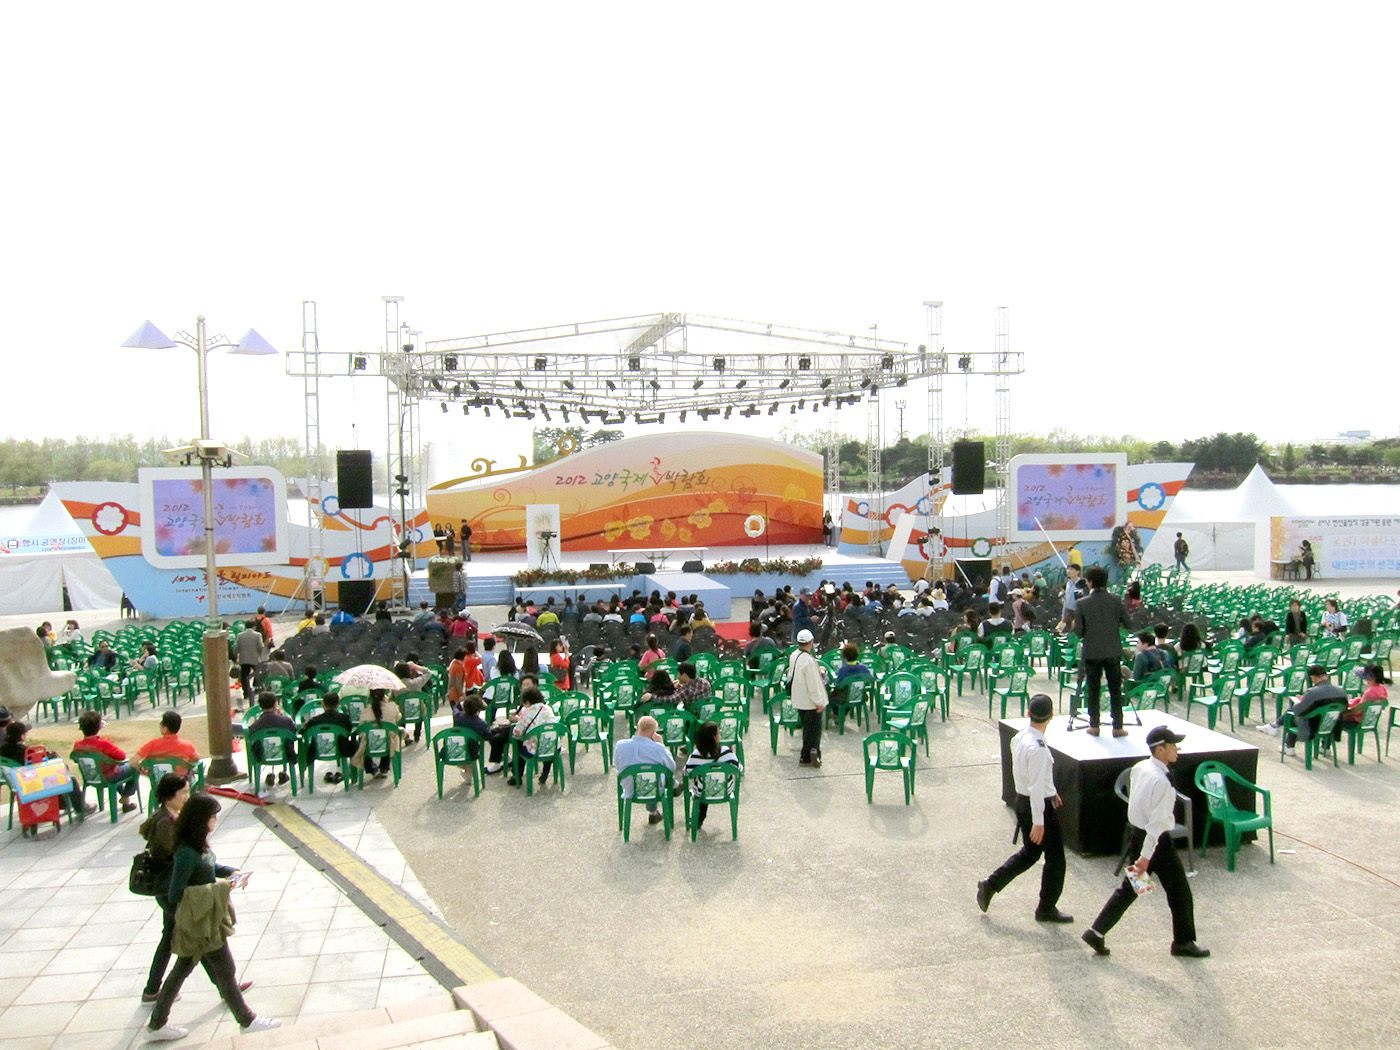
x,y
1218,525
50,553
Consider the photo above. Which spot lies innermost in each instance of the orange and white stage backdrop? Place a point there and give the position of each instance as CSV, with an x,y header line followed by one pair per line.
x,y
687,488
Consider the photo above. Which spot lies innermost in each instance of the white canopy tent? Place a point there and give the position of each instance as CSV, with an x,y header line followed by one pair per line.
x,y
1219,525
50,553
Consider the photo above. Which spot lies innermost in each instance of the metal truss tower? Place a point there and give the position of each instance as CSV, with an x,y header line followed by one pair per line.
x,y
311,397
833,472
1001,349
936,367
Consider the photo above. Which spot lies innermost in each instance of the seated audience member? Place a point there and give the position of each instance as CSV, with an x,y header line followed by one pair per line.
x,y
701,618
488,659
1374,693
707,750
379,709
321,627
1190,640
71,632
147,660
1162,633
1322,692
309,681
112,759
332,715
18,750
850,665
692,687
1295,624
170,744
547,615
273,717
533,712
660,689
642,748
279,667
994,624
653,653
467,715
1148,658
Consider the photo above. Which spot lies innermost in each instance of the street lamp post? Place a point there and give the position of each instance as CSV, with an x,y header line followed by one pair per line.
x,y
216,657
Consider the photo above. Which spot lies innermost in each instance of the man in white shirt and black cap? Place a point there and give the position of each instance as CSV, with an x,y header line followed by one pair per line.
x,y
1032,769
806,682
1152,815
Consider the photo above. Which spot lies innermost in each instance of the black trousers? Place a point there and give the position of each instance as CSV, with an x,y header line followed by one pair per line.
x,y
161,959
1052,877
219,966
1171,876
1095,671
246,674
811,732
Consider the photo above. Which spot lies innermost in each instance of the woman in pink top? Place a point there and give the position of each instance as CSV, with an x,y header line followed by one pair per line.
x,y
1375,693
653,653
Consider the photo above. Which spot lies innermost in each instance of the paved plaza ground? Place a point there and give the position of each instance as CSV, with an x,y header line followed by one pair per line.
x,y
829,923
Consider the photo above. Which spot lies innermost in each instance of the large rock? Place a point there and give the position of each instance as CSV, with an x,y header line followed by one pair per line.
x,y
25,678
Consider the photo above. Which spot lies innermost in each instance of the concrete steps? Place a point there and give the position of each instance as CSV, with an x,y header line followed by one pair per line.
x,y
434,1023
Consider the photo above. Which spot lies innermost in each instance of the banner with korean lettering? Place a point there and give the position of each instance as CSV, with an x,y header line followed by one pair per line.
x,y
1341,547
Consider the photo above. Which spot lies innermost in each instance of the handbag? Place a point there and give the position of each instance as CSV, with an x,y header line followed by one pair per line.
x,y
143,879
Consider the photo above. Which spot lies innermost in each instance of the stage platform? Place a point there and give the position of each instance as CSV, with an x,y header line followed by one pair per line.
x,y
489,577
1093,817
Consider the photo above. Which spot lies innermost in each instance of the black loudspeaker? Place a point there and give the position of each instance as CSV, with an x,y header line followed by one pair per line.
x,y
978,572
356,487
356,595
969,466
598,566
643,568
693,566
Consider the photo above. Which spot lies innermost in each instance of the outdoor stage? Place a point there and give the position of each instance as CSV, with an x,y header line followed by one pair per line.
x,y
489,576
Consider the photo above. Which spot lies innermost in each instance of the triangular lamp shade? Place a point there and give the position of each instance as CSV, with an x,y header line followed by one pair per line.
x,y
149,337
254,344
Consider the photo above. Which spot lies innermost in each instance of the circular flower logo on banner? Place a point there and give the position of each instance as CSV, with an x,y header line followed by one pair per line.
x,y
110,518
754,526
981,547
354,559
1151,496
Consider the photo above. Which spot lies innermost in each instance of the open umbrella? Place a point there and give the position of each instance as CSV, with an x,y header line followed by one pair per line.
x,y
364,677
517,632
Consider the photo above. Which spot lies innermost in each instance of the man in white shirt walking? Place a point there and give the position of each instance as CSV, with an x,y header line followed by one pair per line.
x,y
1032,769
1152,814
807,688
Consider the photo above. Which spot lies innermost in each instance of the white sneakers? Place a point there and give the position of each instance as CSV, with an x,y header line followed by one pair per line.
x,y
168,1034
1267,727
262,1024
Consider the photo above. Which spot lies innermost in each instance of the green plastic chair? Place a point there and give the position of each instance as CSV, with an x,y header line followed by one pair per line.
x,y
1251,689
1017,687
911,719
1213,697
546,748
322,744
452,747
1328,715
569,701
1295,684
784,716
499,695
377,737
273,748
1213,780
1371,714
89,765
651,784
416,708
589,726
890,751
718,784
157,766
974,664
678,728
732,723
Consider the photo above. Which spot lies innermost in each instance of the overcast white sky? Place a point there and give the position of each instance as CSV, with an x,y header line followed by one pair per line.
x,y
1189,208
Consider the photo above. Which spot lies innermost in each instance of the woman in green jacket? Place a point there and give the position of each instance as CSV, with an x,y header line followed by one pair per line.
x,y
194,864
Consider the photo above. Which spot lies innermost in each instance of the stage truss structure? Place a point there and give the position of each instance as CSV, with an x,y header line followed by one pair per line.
x,y
650,368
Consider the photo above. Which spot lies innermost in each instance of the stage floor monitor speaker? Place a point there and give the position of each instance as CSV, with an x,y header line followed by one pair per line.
x,y
354,482
598,566
644,568
356,596
969,467
693,566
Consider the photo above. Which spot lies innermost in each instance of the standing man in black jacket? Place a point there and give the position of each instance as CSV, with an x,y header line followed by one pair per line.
x,y
1097,620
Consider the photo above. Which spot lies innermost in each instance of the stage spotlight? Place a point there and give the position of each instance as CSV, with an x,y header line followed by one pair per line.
x,y
434,384
752,410
487,410
407,348
792,410
634,364
358,363
902,381
456,389
568,384
655,385
637,418
473,384
566,414
965,362
741,384
466,410
611,385
718,364
773,410
785,384
450,362
804,364
444,406
801,402
541,363
826,382
545,410
825,401
661,418
887,363
728,411
682,415
519,385
697,384
815,407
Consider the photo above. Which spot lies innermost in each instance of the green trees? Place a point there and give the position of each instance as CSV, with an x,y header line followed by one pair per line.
x,y
546,440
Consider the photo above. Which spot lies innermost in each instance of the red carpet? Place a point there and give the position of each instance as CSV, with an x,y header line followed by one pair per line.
x,y
735,630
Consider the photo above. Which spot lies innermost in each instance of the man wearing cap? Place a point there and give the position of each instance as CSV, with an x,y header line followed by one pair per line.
x,y
1032,769
1152,815
807,687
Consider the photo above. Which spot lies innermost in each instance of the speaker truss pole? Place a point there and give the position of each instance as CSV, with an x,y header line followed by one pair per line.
x,y
1001,349
936,367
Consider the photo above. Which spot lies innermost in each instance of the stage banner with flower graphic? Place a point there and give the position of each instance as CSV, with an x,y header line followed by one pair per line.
x,y
250,516
688,488
1069,497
